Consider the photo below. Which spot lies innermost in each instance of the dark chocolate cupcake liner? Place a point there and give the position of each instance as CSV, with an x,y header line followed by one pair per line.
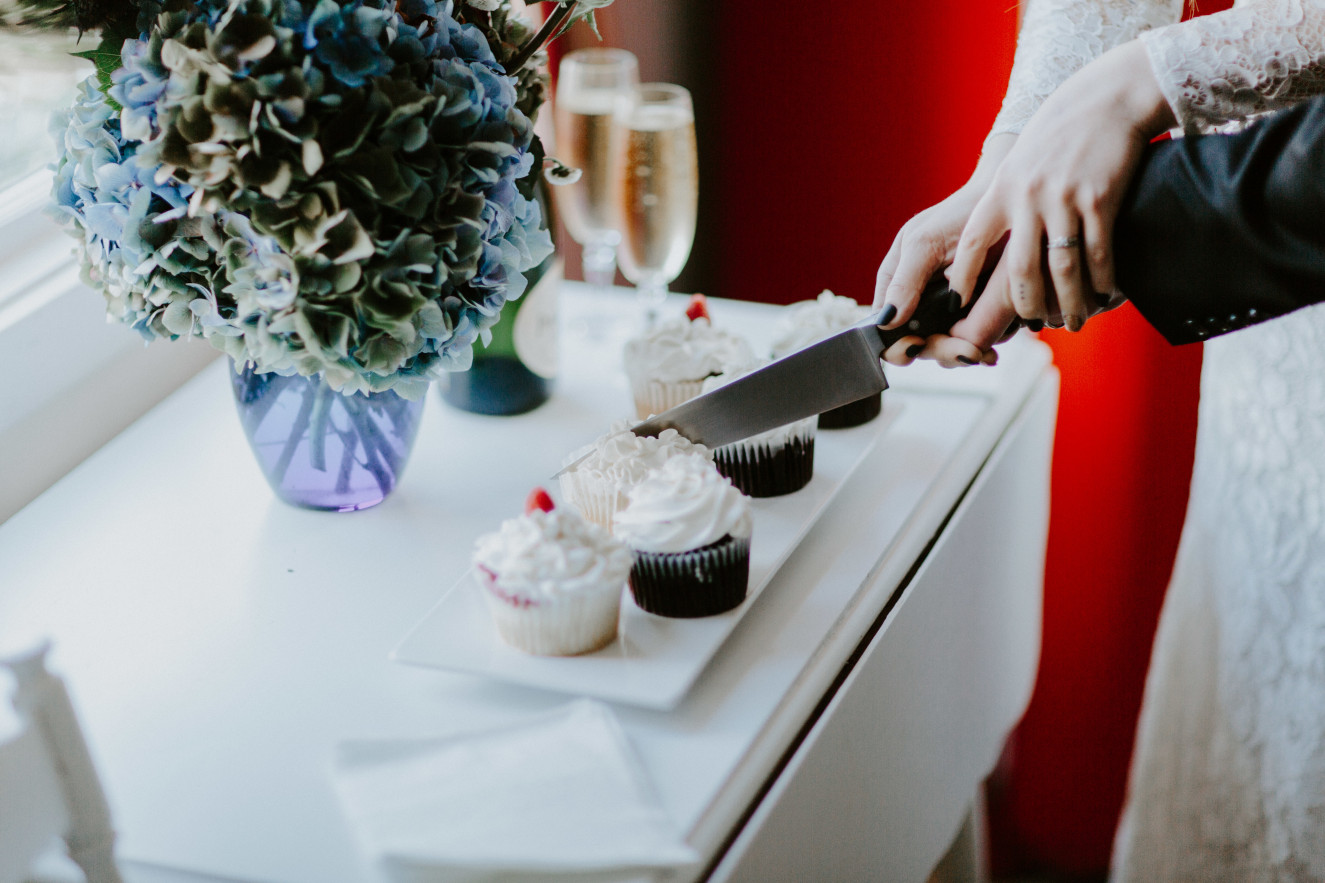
x,y
764,471
852,413
687,585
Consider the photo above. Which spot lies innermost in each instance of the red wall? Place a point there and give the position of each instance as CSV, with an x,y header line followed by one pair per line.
x,y
838,122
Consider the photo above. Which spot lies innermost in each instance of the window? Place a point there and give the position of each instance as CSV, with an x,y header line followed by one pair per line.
x,y
37,77
71,380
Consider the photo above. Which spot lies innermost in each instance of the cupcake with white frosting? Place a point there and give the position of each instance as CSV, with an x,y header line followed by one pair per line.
x,y
810,321
617,461
690,532
667,364
552,580
771,463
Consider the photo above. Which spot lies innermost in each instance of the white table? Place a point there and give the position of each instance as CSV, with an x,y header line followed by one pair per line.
x,y
219,643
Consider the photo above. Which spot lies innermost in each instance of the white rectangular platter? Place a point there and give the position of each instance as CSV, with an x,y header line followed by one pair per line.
x,y
654,660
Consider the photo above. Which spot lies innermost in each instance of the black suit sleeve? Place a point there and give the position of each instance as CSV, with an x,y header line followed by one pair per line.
x,y
1218,232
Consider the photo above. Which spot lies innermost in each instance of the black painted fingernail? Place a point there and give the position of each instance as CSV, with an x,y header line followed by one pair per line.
x,y
1103,299
1035,325
914,350
954,301
889,313
965,361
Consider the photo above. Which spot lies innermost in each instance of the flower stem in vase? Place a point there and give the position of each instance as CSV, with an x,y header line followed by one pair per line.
x,y
255,403
318,425
299,429
367,436
320,448
346,465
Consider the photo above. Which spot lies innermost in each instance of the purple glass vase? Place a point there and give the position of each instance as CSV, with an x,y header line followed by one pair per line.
x,y
321,449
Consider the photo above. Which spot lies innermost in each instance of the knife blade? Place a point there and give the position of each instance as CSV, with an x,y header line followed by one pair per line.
x,y
835,371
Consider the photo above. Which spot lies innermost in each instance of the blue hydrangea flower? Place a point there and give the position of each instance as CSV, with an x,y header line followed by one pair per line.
x,y
112,202
346,41
315,186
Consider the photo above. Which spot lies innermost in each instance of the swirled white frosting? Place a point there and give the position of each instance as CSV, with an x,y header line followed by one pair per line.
x,y
777,436
679,349
686,504
542,555
624,458
810,321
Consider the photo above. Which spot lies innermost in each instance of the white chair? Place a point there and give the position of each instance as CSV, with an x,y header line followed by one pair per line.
x,y
48,786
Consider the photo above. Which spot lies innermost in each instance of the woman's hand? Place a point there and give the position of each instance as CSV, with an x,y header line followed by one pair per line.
x,y
1056,193
992,320
924,246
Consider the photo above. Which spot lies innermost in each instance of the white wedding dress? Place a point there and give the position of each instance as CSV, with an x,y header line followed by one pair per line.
x,y
1228,773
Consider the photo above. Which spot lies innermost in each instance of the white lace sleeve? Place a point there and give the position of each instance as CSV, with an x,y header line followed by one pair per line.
x,y
1245,61
1058,37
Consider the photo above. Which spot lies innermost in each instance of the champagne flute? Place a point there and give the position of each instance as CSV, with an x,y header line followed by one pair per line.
x,y
591,84
659,191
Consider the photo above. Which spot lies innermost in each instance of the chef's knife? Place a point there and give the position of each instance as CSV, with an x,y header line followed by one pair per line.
x,y
835,371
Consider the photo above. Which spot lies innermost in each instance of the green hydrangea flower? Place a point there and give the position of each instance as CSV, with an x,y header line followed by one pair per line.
x,y
314,186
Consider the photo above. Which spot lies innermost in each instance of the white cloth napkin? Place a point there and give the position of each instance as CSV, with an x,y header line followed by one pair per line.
x,y
560,792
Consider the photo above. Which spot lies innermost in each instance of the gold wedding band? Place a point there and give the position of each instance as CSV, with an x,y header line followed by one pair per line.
x,y
1065,242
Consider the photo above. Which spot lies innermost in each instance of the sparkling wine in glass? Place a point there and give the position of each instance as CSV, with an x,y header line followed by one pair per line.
x,y
659,177
592,84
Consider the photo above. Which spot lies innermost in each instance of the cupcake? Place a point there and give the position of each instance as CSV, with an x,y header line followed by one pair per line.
x,y
552,580
617,461
667,364
810,321
771,463
690,532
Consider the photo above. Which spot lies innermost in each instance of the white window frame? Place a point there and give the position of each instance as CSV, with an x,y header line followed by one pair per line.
x,y
69,379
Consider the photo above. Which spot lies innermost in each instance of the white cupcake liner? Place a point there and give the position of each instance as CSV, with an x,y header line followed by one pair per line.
x,y
564,626
656,396
596,499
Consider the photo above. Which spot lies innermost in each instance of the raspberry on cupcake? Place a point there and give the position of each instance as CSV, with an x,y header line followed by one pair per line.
x,y
667,364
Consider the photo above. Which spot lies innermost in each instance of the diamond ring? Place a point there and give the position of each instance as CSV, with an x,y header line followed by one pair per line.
x,y
1065,242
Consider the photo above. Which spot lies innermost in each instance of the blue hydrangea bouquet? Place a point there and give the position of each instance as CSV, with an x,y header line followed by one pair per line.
x,y
340,189
314,186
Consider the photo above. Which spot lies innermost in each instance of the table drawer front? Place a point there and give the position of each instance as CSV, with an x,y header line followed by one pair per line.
x,y
883,780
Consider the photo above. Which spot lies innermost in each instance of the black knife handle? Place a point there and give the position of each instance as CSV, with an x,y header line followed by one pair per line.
x,y
938,310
